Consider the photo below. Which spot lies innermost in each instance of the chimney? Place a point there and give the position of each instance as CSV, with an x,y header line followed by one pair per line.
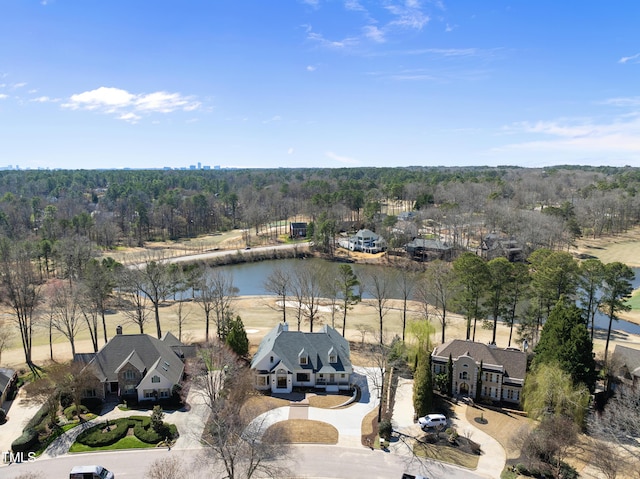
x,y
285,326
118,329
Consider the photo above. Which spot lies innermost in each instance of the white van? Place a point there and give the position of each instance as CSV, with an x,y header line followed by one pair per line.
x,y
432,420
90,472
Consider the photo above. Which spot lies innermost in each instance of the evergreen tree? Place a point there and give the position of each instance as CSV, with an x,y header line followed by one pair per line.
x,y
479,383
423,385
450,376
565,340
237,338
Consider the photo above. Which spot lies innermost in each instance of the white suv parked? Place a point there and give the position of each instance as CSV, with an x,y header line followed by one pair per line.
x,y
432,420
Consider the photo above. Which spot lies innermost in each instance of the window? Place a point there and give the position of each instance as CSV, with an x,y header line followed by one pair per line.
x,y
129,374
149,394
155,379
262,380
90,393
270,359
303,360
333,358
164,393
302,377
464,375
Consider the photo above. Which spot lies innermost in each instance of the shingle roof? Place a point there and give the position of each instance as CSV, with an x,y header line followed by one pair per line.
x,y
513,361
627,359
141,350
6,375
288,345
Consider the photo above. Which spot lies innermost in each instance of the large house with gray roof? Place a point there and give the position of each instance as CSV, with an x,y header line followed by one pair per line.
x,y
136,366
289,359
502,375
625,366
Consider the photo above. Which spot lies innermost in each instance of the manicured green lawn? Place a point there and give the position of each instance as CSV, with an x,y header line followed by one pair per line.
x,y
127,442
634,302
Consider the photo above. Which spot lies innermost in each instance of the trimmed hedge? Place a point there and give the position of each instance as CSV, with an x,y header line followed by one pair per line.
x,y
96,436
26,442
37,418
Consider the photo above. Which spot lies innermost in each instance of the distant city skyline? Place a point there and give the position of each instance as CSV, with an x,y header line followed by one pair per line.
x,y
318,83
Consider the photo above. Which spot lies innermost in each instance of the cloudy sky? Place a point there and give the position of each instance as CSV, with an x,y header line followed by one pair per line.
x,y
333,83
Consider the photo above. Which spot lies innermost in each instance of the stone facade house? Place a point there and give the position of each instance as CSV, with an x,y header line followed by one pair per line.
x,y
503,370
136,366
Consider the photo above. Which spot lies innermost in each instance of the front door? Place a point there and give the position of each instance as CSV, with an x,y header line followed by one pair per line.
x,y
332,378
464,389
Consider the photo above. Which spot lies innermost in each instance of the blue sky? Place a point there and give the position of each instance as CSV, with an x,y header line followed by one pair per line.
x,y
330,83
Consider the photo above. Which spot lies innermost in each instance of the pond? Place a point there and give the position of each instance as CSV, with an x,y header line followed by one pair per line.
x,y
249,278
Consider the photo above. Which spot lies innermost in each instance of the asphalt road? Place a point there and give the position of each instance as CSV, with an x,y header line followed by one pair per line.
x,y
312,462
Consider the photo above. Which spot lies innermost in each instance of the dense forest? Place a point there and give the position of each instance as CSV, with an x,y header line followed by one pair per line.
x,y
546,207
53,224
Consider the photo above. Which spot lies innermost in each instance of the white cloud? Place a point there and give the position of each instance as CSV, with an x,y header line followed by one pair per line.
x,y
633,59
318,38
15,86
628,101
272,119
130,117
354,5
290,151
341,159
619,136
311,68
409,14
374,33
44,99
129,106
3,96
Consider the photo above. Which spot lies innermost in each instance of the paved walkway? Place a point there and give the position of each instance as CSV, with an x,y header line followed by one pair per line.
x,y
493,457
190,423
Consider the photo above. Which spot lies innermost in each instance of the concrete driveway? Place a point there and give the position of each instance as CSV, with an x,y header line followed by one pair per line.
x,y
493,457
348,421
19,412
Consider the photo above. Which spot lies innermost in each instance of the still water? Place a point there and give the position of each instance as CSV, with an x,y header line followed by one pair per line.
x,y
249,278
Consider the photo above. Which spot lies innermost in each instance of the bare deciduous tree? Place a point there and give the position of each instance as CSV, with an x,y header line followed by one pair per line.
x,y
234,446
20,289
215,295
66,316
379,283
135,304
6,336
278,283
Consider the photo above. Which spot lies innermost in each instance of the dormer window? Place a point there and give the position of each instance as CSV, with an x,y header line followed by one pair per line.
x,y
155,379
333,356
303,357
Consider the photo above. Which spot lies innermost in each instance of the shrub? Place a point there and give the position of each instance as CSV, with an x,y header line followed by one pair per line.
x,y
94,405
385,429
38,417
70,412
66,400
26,442
3,415
97,436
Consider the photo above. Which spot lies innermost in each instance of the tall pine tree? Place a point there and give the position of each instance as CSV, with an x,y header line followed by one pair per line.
x,y
423,385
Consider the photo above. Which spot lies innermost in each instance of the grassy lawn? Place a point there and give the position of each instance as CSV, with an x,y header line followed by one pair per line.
x,y
127,442
447,454
502,426
303,431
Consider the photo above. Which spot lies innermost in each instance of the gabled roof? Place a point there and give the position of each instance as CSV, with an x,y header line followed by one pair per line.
x,y
6,375
627,359
513,361
141,350
287,346
433,244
